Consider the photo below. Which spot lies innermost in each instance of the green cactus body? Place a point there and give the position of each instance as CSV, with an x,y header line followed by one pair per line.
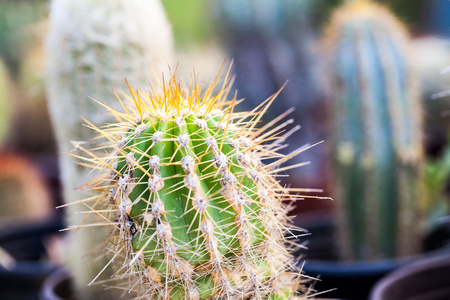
x,y
92,45
196,214
377,134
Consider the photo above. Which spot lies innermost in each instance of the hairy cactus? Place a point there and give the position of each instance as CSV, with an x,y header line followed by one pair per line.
x,y
92,45
194,212
376,132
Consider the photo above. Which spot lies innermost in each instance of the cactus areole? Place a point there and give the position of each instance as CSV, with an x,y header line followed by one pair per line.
x,y
194,212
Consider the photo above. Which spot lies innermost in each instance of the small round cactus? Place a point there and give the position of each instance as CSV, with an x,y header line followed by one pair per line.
x,y
194,212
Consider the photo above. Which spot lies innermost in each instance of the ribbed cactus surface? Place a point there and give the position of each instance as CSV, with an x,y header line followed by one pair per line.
x,y
195,212
377,132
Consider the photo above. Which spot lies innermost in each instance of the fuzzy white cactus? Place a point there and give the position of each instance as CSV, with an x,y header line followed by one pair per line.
x,y
92,45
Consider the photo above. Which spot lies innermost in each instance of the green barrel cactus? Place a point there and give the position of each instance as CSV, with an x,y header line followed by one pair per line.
x,y
91,46
194,212
377,136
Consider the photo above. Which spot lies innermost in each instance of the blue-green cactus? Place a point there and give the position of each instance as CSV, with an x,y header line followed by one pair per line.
x,y
377,137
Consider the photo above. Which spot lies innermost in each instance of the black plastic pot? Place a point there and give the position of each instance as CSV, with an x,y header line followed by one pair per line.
x,y
58,286
351,281
25,243
24,281
426,279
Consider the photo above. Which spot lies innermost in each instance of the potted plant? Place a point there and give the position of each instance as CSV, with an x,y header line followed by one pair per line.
x,y
376,145
91,47
177,202
423,279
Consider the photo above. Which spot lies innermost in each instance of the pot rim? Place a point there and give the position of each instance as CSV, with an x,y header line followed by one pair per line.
x,y
409,271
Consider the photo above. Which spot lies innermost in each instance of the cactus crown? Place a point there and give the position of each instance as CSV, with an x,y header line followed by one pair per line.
x,y
362,14
194,211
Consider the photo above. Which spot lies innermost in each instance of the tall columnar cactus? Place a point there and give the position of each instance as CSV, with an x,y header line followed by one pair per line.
x,y
376,132
194,212
92,45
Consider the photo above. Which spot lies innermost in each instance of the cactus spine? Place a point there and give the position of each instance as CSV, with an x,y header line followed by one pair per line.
x,y
194,212
377,132
91,46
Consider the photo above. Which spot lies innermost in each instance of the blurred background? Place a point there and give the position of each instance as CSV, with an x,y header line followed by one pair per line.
x,y
271,43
